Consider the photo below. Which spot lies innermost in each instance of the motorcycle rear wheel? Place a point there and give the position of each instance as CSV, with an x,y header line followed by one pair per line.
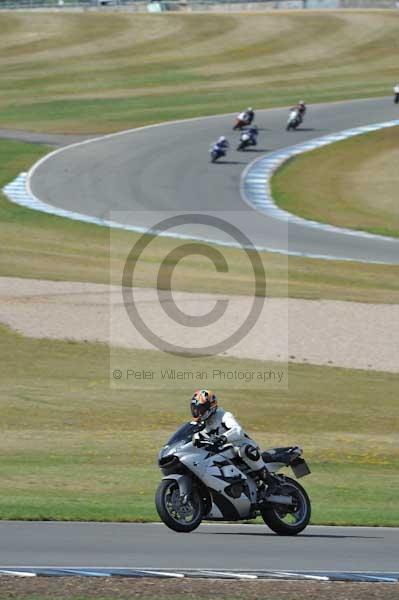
x,y
176,515
287,520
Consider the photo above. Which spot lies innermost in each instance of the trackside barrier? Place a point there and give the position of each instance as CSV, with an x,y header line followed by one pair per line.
x,y
194,5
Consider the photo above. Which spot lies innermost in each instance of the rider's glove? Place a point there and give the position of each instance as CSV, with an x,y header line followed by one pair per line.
x,y
219,440
196,440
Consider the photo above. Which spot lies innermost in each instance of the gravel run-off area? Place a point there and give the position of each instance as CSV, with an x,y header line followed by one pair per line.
x,y
90,587
345,334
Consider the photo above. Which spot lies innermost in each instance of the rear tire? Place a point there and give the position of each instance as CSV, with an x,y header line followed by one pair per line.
x,y
274,515
175,515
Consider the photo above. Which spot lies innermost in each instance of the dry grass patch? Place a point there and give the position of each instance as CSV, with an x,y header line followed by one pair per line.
x,y
96,72
353,183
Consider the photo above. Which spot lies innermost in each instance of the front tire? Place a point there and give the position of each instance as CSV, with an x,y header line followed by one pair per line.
x,y
289,520
176,515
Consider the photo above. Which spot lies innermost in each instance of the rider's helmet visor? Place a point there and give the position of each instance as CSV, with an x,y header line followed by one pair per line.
x,y
199,409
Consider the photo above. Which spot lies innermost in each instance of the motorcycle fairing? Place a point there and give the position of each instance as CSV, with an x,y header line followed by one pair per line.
x,y
219,474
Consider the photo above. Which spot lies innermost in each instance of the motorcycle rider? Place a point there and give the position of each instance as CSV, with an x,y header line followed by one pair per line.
x,y
221,145
248,137
245,117
222,428
301,110
253,133
250,114
396,92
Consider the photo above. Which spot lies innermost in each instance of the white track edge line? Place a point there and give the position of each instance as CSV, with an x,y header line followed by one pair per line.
x,y
17,573
256,180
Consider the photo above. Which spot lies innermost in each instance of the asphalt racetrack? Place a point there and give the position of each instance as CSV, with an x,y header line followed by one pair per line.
x,y
167,167
211,546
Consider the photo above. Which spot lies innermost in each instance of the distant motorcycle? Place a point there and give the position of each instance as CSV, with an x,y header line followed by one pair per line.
x,y
294,119
210,482
396,94
243,120
216,152
248,138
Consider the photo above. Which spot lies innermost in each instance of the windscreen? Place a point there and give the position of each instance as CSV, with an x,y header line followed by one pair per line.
x,y
184,433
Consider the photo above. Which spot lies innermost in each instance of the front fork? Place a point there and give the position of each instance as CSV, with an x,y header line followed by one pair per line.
x,y
185,484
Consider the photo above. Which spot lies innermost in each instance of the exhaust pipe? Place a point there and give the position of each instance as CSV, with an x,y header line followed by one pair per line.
x,y
274,499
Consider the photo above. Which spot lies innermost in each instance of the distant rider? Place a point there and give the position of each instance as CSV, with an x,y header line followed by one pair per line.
x,y
253,133
301,110
221,145
246,116
222,427
250,115
396,92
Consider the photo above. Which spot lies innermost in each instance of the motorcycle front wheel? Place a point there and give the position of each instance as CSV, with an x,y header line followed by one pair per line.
x,y
173,512
288,519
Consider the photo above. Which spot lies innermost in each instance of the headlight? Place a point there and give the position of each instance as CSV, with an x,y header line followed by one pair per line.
x,y
168,460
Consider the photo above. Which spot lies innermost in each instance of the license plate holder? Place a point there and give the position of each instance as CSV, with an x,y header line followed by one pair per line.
x,y
300,467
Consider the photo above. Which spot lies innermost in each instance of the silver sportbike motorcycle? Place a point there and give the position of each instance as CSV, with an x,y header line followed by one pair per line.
x,y
208,481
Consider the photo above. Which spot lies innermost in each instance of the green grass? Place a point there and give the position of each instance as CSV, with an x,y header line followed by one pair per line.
x,y
96,72
73,447
33,244
352,183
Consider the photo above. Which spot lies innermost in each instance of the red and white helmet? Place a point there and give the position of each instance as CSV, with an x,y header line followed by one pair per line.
x,y
203,405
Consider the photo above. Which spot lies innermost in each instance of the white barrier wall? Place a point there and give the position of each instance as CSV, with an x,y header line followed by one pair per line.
x,y
275,5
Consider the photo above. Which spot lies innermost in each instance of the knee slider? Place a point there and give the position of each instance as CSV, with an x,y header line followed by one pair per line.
x,y
252,453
